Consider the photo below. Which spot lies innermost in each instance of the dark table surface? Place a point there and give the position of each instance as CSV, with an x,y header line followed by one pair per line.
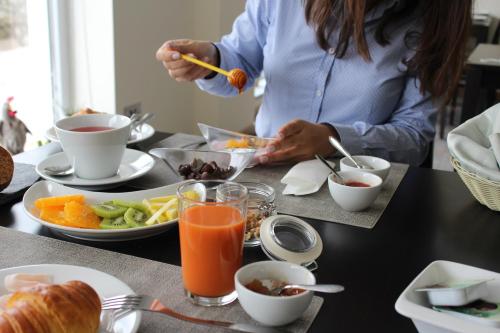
x,y
432,216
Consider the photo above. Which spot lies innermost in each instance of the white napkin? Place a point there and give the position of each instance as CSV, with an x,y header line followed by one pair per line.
x,y
495,145
306,177
476,142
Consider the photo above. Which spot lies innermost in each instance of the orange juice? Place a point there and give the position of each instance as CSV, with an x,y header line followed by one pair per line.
x,y
211,248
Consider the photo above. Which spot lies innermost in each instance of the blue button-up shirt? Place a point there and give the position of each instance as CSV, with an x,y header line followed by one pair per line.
x,y
376,106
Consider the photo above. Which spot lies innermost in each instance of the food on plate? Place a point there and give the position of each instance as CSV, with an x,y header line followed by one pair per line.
x,y
85,111
80,215
14,282
6,168
258,286
72,211
245,142
108,210
354,183
69,210
199,169
70,307
58,201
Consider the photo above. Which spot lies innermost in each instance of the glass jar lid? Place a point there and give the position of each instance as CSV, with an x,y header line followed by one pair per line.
x,y
290,239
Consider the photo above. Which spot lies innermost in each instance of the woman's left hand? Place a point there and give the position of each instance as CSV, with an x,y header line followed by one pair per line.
x,y
299,140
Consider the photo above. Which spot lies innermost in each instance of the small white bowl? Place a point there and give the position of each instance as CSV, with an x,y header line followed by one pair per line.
x,y
354,199
380,166
273,310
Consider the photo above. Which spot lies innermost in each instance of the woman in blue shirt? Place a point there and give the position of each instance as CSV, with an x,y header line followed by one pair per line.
x,y
370,72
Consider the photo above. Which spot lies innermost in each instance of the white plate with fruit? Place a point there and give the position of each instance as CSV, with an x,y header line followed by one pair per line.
x,y
101,216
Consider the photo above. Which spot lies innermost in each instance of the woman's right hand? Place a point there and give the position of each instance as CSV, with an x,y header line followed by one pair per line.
x,y
181,70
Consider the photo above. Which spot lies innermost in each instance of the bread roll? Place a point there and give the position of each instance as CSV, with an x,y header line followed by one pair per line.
x,y
72,307
85,111
6,168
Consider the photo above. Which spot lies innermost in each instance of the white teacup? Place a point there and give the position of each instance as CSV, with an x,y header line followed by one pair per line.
x,y
94,151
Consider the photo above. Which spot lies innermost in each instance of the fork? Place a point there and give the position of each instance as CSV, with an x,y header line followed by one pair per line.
x,y
148,303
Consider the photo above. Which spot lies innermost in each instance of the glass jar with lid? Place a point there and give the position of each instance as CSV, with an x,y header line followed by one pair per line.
x,y
260,206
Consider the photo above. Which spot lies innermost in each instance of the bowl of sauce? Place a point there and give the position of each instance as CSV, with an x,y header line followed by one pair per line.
x,y
255,283
359,191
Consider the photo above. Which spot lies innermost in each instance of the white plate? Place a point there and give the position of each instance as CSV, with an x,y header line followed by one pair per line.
x,y
48,189
134,164
104,284
146,132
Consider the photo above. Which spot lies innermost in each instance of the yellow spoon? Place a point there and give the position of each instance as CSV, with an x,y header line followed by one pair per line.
x,y
236,77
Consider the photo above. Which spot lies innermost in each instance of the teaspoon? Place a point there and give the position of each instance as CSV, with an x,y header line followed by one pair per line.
x,y
335,143
59,171
322,288
325,162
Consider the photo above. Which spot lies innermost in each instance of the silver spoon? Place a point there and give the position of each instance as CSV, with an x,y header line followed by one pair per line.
x,y
325,162
136,125
59,171
322,288
334,142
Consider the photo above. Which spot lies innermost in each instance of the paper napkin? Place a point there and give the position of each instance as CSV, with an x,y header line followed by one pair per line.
x,y
306,177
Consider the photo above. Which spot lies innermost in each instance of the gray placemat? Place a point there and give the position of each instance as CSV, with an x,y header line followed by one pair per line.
x,y
24,176
320,205
160,280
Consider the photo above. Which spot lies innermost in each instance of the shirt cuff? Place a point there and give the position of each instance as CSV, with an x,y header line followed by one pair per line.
x,y
349,138
218,82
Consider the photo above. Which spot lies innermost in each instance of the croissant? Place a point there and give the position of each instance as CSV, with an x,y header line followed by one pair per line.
x,y
72,307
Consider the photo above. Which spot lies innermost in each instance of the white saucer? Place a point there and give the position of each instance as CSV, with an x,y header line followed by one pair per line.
x,y
146,132
134,164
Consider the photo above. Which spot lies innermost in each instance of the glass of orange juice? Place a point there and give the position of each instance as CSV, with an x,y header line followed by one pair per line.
x,y
212,218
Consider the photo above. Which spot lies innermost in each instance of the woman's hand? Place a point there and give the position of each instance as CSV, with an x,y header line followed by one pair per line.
x,y
181,70
299,140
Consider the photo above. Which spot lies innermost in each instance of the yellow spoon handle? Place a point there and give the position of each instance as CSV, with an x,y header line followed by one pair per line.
x,y
204,64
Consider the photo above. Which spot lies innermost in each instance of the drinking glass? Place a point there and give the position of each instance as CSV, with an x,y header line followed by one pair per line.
x,y
212,218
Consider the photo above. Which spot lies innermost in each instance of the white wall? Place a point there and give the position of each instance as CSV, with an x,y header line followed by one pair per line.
x,y
120,68
491,6
140,28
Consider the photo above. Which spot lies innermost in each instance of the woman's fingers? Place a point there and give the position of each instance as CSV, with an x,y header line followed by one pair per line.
x,y
280,156
190,73
291,128
171,50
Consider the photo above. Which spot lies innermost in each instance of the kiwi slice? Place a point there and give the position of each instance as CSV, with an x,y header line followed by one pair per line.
x,y
114,223
135,217
108,210
131,204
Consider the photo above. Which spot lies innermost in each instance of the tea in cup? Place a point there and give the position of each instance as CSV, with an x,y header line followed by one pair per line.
x,y
94,144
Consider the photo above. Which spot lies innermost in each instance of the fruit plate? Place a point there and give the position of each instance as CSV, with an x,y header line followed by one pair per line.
x,y
48,189
219,139
104,284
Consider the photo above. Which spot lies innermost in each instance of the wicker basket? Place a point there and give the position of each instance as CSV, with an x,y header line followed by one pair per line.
x,y
487,192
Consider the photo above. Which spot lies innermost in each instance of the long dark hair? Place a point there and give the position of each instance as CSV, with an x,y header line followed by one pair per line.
x,y
439,48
